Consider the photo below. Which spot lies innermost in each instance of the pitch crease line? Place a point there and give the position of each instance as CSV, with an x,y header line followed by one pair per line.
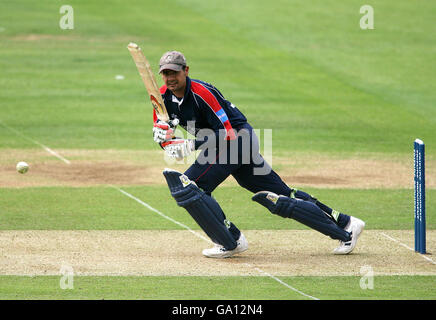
x,y
208,240
52,152
161,214
280,281
406,246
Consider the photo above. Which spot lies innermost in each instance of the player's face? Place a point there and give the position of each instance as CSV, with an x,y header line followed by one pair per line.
x,y
175,80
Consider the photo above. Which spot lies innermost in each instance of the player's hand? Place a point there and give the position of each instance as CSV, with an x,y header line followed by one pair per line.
x,y
178,148
164,131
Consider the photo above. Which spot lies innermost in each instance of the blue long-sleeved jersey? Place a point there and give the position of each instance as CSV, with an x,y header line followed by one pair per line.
x,y
204,104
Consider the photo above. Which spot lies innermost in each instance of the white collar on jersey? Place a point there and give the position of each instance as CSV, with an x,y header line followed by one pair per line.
x,y
175,99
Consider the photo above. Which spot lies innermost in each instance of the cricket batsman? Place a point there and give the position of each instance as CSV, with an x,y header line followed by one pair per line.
x,y
222,134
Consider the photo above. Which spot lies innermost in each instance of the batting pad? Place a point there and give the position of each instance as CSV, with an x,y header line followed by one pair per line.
x,y
305,212
202,208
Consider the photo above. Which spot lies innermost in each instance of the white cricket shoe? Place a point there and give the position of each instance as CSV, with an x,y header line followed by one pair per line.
x,y
219,252
355,226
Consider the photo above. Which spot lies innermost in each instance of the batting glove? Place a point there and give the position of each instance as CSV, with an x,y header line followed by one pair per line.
x,y
164,131
178,148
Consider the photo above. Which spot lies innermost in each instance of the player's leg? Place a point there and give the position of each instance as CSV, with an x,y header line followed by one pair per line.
x,y
305,212
205,210
207,177
267,179
350,224
311,215
341,219
207,213
272,182
302,210
294,204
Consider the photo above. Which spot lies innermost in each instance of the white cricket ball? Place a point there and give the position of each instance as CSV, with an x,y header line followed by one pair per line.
x,y
22,167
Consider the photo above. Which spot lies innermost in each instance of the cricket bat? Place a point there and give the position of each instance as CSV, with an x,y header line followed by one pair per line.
x,y
149,81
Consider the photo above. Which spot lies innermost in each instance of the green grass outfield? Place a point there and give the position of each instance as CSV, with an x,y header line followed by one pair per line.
x,y
309,72
305,70
105,208
215,288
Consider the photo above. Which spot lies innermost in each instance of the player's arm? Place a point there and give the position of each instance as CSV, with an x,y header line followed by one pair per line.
x,y
215,109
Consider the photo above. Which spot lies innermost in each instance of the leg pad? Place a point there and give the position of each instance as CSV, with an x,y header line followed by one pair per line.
x,y
203,208
305,212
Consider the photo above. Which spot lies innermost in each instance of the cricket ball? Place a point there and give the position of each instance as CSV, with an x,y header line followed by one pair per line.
x,y
22,167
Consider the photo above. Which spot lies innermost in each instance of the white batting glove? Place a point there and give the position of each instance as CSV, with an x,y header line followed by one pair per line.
x,y
178,148
163,131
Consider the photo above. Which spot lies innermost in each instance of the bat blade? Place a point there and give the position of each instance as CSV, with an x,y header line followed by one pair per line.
x,y
149,81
